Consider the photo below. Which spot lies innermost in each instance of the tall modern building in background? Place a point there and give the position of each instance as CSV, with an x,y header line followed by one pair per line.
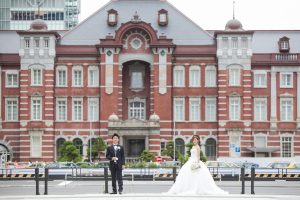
x,y
58,14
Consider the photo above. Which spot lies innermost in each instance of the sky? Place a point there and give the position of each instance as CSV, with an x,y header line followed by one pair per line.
x,y
213,14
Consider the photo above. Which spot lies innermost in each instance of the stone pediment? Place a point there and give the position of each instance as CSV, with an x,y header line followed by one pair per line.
x,y
133,124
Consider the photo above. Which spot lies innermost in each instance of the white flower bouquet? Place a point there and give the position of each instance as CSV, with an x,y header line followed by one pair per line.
x,y
195,165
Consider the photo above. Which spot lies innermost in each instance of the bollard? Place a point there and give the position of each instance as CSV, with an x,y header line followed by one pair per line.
x,y
243,180
106,180
37,185
174,174
252,179
46,180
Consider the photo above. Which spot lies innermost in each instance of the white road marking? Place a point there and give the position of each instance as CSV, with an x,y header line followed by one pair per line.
x,y
64,183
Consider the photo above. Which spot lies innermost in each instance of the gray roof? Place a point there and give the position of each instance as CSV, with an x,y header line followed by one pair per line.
x,y
9,42
180,28
267,41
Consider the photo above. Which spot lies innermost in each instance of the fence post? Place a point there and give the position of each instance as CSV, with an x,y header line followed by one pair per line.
x,y
252,179
174,174
243,180
37,184
46,180
106,180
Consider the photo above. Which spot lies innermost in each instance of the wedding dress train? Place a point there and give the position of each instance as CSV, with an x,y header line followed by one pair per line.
x,y
195,181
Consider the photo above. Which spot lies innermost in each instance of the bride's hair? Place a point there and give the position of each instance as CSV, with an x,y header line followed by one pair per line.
x,y
197,137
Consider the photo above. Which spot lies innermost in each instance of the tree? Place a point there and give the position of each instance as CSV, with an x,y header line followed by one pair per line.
x,y
98,145
146,156
169,151
69,153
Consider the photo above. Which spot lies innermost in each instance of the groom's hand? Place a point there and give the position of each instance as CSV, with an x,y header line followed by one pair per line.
x,y
114,158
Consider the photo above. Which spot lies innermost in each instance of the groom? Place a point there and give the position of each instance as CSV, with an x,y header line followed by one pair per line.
x,y
115,153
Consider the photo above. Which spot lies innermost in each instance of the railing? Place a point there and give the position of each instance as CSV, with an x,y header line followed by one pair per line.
x,y
286,57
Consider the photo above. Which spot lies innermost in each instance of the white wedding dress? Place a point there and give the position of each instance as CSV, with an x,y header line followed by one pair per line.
x,y
197,181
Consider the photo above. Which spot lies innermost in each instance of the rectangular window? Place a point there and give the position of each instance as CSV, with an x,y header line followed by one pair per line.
x,y
210,78
93,78
260,79
234,77
137,109
260,141
27,43
46,43
37,42
260,109
37,77
179,109
36,108
12,79
11,109
93,113
286,80
77,75
234,108
210,109
137,80
195,109
179,77
225,42
286,109
62,77
61,109
234,42
77,109
286,146
195,77
36,144
244,42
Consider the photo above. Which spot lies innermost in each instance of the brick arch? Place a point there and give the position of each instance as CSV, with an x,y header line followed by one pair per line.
x,y
127,27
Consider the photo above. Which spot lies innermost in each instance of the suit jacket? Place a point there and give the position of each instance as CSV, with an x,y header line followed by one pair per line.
x,y
119,153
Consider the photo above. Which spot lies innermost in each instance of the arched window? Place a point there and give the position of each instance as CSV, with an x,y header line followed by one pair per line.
x,y
4,154
179,145
59,145
78,144
211,149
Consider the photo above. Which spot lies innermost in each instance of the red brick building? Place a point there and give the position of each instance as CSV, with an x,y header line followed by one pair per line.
x,y
145,71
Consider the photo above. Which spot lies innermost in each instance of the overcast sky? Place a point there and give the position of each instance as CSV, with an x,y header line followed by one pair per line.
x,y
213,14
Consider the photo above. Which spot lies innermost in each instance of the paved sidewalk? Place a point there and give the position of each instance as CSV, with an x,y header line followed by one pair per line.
x,y
151,197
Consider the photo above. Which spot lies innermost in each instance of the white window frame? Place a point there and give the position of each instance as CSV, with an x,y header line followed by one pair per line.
x,y
195,115
74,81
12,114
144,111
244,42
234,42
95,82
33,78
178,118
194,71
58,110
262,113
33,117
37,43
74,117
58,69
260,135
210,81
284,84
225,43
93,116
46,42
27,42
286,135
260,83
178,82
234,79
288,117
36,152
11,72
210,116
234,115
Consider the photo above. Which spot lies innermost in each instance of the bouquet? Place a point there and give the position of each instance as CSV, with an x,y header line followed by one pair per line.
x,y
195,165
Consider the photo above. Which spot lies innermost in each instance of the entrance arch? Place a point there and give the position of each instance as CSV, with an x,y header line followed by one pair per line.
x,y
211,149
5,154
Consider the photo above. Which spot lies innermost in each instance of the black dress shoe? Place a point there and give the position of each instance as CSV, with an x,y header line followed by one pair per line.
x,y
120,192
113,193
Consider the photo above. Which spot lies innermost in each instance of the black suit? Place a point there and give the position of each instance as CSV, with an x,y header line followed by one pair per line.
x,y
115,167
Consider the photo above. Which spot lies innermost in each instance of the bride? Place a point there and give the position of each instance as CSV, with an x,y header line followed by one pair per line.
x,y
194,177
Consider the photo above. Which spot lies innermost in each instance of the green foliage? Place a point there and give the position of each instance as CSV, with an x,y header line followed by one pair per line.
x,y
146,156
69,153
188,151
169,151
98,145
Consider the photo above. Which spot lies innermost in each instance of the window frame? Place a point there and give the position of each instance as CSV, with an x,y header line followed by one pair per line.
x,y
265,117
74,117
232,115
96,81
194,70
198,102
257,73
291,137
11,72
7,110
33,76
58,110
207,81
211,119
34,98
176,82
96,114
286,117
74,81
176,118
282,83
58,69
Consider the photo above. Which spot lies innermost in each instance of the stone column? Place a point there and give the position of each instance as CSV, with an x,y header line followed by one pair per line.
x,y
273,100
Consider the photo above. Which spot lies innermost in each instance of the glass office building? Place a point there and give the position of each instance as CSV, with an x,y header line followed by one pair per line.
x,y
58,14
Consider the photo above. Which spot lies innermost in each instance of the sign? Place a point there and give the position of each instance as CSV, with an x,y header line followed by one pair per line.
x,y
232,145
237,149
158,158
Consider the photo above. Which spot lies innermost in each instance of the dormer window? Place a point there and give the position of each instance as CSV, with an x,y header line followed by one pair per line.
x,y
284,44
163,17
112,17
